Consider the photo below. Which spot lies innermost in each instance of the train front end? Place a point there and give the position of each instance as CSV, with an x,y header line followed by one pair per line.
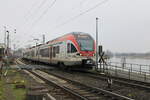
x,y
86,47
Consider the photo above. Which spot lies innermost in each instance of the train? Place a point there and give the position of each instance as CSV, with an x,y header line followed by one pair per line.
x,y
75,50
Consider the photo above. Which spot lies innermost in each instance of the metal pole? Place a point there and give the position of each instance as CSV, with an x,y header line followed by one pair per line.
x,y
8,41
43,38
131,68
140,69
7,59
5,35
97,43
5,39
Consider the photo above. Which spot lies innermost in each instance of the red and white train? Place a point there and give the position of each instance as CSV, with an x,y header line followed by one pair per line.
x,y
73,50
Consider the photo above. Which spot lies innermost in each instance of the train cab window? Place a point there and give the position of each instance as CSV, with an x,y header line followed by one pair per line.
x,y
71,48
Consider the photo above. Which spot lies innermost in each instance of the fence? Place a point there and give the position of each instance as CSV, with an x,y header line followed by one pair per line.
x,y
127,70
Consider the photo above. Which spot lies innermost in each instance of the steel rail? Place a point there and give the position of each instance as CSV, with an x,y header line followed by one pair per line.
x,y
98,90
101,91
68,91
61,87
122,81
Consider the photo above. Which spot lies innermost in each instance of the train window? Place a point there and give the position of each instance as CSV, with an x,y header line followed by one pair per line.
x,y
32,53
54,51
57,51
44,52
28,54
36,51
51,52
73,49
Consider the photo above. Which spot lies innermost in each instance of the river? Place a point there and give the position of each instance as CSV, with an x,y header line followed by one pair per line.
x,y
145,63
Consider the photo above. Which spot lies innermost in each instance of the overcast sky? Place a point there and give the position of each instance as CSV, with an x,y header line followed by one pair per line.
x,y
124,25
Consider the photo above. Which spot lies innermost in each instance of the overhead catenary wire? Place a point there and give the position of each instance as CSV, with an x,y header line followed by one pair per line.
x,y
39,7
41,15
30,10
82,2
34,12
44,12
80,14
72,18
79,4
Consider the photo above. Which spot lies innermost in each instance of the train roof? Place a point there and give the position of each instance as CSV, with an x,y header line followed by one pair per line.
x,y
68,34
62,37
78,33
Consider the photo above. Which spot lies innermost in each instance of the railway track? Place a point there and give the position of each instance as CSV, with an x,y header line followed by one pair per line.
x,y
129,88
59,92
120,81
77,89
130,91
116,80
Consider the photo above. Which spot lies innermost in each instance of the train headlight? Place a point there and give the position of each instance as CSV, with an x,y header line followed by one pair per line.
x,y
88,61
79,54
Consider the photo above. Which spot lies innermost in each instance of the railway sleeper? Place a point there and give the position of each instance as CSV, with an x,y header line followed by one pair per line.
x,y
89,95
94,98
60,93
118,97
93,91
84,93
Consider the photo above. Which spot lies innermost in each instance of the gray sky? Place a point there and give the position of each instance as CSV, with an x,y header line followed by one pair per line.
x,y
124,25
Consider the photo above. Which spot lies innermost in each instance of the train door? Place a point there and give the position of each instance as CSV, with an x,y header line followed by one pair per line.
x,y
63,49
51,54
71,50
38,54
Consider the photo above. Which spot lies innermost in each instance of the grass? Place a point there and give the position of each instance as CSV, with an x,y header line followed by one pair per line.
x,y
1,90
19,93
15,78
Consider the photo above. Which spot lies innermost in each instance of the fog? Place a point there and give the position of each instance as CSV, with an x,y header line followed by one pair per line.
x,y
124,25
